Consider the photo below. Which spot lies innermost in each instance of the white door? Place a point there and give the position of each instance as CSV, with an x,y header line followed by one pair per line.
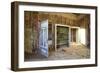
x,y
43,38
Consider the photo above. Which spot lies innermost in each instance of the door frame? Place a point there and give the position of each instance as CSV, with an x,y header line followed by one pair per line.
x,y
70,27
77,34
56,34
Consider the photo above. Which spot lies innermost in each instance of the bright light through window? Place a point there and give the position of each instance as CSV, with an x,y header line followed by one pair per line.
x,y
82,36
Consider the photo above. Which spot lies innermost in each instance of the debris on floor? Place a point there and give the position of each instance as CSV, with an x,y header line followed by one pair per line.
x,y
65,53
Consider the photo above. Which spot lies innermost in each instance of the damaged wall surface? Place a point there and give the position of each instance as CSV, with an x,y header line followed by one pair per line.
x,y
32,26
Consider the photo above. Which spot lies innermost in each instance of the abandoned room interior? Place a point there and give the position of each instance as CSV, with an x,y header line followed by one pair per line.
x,y
56,36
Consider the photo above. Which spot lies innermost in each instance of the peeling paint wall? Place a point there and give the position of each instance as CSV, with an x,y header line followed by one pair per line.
x,y
32,26
31,31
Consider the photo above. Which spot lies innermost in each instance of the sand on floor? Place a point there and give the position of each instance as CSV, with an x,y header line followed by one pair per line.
x,y
75,51
72,52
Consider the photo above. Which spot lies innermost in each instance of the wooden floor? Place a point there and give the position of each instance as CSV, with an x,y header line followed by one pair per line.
x,y
75,51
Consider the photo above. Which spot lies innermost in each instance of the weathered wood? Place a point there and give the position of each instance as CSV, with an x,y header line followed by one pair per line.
x,y
33,19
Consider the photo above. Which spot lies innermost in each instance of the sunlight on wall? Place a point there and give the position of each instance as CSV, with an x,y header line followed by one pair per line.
x,y
82,36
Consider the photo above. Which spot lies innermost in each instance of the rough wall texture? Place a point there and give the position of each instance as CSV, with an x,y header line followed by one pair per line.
x,y
32,26
31,31
27,33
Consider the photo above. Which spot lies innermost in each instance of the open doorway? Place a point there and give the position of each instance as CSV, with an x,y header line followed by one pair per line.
x,y
62,36
74,35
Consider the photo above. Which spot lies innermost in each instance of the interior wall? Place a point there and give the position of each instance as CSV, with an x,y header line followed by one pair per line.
x,y
84,31
31,34
27,33
59,18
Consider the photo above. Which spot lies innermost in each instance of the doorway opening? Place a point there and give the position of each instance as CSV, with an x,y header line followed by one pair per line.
x,y
74,35
61,36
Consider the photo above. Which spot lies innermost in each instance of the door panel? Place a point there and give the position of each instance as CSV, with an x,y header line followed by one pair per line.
x,y
43,38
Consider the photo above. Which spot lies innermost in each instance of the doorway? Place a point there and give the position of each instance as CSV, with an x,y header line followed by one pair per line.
x,y
74,35
61,36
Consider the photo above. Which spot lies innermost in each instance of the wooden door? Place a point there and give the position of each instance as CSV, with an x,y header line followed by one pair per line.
x,y
43,38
